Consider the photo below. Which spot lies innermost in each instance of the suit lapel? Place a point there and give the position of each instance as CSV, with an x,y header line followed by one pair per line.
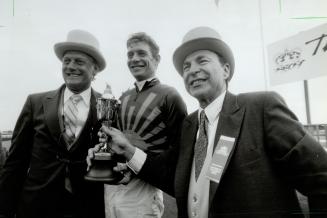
x,y
229,124
93,110
51,104
186,152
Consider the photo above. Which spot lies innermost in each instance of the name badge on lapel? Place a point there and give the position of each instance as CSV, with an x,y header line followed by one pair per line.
x,y
219,159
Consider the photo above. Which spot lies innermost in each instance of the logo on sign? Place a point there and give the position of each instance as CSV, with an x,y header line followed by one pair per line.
x,y
288,60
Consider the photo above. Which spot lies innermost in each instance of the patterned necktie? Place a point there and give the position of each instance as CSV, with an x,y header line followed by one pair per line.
x,y
71,116
71,122
200,149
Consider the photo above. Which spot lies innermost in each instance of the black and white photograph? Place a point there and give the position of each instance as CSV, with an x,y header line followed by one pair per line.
x,y
166,109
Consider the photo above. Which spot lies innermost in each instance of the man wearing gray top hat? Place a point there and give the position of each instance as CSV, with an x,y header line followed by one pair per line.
x,y
239,155
43,176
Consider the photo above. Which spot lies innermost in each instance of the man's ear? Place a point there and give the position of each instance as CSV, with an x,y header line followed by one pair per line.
x,y
158,58
226,71
95,70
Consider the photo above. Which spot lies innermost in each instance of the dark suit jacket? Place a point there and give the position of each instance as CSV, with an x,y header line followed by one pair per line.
x,y
273,156
32,179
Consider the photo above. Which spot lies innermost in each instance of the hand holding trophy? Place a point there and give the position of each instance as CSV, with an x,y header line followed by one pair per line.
x,y
104,160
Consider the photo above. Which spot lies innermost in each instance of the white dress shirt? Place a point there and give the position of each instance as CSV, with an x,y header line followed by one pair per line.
x,y
198,194
82,106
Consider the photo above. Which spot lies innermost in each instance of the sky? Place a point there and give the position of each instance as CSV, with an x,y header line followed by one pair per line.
x,y
30,28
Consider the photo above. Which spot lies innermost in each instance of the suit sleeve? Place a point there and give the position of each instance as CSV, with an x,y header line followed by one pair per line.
x,y
299,157
159,170
176,112
15,169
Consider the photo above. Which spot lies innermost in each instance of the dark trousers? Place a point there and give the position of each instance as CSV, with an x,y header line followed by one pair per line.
x,y
67,206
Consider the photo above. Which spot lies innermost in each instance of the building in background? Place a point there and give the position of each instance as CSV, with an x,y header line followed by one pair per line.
x,y
319,131
5,142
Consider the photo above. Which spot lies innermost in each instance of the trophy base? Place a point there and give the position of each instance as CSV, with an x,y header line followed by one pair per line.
x,y
102,169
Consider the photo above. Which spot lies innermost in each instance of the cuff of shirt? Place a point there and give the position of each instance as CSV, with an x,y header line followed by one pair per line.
x,y
137,161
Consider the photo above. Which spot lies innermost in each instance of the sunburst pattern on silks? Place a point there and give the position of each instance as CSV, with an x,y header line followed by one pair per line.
x,y
141,121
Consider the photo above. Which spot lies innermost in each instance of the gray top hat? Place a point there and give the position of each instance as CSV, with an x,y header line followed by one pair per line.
x,y
80,40
202,38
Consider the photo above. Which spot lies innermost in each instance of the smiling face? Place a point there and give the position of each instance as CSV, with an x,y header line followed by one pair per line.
x,y
140,60
205,76
78,70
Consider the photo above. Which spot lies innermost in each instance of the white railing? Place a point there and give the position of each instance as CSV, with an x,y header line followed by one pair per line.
x,y
319,131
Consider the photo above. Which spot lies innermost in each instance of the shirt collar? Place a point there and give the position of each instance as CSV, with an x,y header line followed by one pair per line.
x,y
140,84
86,95
213,109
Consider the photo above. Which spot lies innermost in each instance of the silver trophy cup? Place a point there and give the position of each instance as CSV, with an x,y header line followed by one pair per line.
x,y
104,160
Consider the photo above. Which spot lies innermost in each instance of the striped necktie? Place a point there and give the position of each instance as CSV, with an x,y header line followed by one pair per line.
x,y
200,149
71,116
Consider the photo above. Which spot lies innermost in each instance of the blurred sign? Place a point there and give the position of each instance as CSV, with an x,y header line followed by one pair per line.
x,y
299,57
